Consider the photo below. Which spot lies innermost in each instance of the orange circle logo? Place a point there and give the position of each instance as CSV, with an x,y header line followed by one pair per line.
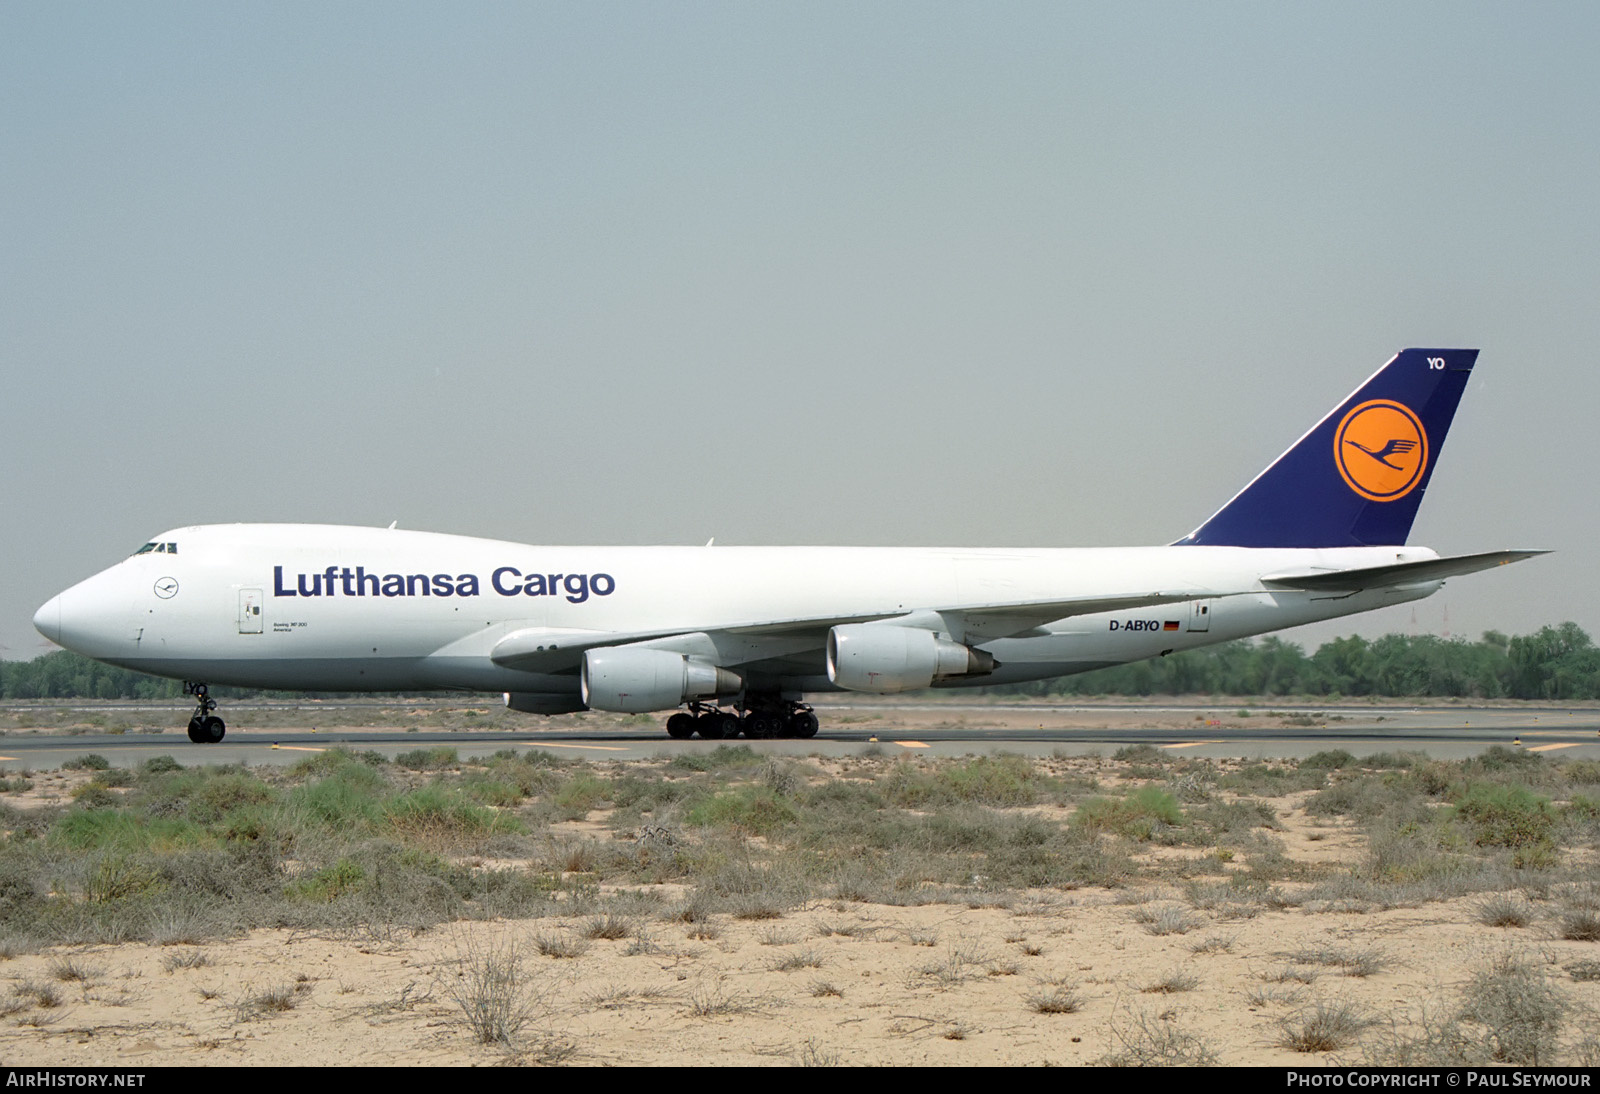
x,y
1381,450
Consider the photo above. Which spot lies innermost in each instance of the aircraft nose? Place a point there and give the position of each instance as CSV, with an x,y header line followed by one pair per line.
x,y
47,620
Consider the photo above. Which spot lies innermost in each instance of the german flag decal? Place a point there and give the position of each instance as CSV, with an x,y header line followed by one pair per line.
x,y
1170,625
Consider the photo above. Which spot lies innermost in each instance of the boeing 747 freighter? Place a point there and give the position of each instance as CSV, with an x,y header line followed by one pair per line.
x,y
732,638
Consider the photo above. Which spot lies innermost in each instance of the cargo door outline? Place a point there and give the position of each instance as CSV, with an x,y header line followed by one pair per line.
x,y
1200,615
250,618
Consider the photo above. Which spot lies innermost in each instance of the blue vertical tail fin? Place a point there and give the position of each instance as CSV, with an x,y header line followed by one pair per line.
x,y
1356,479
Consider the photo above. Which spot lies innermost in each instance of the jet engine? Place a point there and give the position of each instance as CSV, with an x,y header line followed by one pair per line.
x,y
539,702
882,658
635,681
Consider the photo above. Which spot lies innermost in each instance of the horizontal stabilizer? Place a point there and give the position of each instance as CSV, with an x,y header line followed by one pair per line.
x,y
1401,573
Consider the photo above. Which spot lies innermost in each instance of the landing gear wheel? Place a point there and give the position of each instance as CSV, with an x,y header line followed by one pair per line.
x,y
760,727
681,726
718,726
802,724
204,727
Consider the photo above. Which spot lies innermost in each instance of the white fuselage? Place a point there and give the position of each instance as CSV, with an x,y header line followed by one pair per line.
x,y
346,608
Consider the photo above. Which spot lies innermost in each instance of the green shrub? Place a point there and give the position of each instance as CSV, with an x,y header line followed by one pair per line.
x,y
428,759
1006,780
493,792
327,884
348,801
120,830
1506,816
1139,754
91,762
434,812
580,794
1137,816
95,795
721,756
1581,772
159,765
1501,758
326,763
754,809
115,877
203,795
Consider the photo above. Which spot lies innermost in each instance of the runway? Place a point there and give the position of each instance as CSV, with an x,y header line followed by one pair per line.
x,y
934,729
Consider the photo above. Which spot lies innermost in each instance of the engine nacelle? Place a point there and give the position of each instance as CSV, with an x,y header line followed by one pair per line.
x,y
883,658
539,702
636,681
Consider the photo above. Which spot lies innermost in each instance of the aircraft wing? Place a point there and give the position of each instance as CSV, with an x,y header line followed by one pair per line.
x,y
1400,573
542,649
973,623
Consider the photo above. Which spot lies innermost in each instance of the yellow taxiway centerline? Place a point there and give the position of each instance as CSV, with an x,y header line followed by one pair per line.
x,y
591,748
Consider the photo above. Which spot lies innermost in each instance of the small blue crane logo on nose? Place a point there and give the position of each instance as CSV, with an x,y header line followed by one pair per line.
x,y
167,588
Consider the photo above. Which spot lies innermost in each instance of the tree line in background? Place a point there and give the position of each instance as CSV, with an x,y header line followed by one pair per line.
x,y
1553,663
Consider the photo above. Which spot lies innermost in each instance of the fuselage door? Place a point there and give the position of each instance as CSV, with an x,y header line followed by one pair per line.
x,y
1200,615
250,601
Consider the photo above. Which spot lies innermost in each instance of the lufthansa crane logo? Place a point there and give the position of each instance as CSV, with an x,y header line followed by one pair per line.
x,y
167,588
1381,450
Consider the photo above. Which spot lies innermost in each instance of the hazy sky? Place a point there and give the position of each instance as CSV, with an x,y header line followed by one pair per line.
x,y
974,274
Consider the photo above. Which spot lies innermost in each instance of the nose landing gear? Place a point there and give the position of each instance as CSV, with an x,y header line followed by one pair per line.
x,y
205,728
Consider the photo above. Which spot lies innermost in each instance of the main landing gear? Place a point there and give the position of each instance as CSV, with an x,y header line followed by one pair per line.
x,y
762,719
205,728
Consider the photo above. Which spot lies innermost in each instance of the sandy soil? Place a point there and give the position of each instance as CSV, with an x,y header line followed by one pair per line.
x,y
827,983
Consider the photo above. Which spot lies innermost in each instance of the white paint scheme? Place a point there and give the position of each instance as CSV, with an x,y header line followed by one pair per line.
x,y
650,628
727,605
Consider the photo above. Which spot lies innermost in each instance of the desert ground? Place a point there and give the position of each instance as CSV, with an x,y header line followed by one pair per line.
x,y
1141,907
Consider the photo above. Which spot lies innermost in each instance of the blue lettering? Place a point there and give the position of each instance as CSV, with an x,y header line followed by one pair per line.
x,y
506,581
577,586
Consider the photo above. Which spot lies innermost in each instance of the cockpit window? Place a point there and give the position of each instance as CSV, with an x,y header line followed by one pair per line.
x,y
158,548
146,549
